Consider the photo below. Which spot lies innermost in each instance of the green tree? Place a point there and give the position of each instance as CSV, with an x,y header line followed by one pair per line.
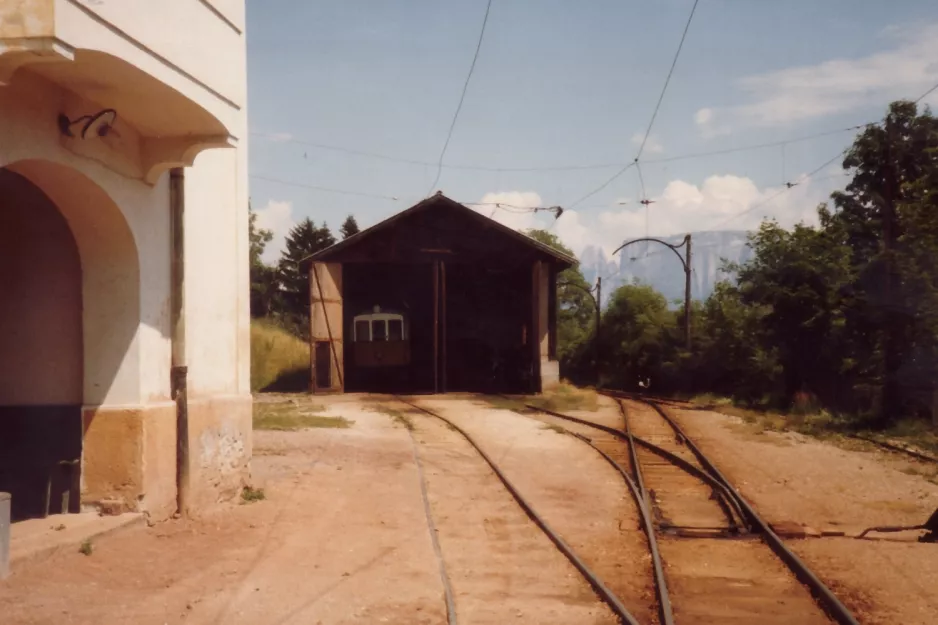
x,y
264,280
349,227
884,217
303,240
639,336
797,280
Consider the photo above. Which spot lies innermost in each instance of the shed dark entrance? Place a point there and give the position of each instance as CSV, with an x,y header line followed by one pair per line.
x,y
436,298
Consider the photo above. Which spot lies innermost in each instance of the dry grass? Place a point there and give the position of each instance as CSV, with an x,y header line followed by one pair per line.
x,y
565,397
913,433
279,360
554,428
290,416
562,398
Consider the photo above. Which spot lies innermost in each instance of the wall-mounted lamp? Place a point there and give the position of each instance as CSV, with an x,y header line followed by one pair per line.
x,y
103,129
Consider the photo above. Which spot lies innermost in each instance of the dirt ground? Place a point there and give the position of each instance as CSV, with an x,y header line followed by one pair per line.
x,y
791,477
342,536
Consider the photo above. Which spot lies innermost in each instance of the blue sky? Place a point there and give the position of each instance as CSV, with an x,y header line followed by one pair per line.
x,y
562,83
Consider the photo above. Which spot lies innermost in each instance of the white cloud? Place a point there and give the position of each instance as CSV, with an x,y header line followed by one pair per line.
x,y
276,216
807,92
512,213
652,146
721,202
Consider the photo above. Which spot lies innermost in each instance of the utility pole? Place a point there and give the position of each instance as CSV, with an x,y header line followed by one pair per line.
x,y
599,318
687,277
688,270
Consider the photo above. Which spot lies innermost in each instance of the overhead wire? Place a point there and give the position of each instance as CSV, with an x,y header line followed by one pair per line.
x,y
790,185
654,114
667,80
302,185
462,98
554,168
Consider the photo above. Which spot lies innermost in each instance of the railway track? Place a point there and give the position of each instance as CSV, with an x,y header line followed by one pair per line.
x,y
605,594
715,560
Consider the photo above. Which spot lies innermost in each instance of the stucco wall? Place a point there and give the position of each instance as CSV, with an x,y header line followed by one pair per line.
x,y
121,227
185,33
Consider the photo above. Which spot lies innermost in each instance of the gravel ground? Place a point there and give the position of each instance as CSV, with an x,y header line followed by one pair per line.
x,y
577,493
791,477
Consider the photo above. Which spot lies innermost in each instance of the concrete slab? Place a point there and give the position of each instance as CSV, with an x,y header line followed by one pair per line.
x,y
39,538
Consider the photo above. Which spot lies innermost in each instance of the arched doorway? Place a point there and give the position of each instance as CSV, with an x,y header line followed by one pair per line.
x,y
41,352
69,338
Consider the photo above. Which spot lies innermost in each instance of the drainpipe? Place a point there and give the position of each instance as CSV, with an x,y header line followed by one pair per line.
x,y
177,207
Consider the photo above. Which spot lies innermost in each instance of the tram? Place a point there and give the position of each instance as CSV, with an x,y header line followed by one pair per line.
x,y
380,339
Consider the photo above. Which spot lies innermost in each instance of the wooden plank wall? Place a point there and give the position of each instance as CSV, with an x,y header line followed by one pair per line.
x,y
326,321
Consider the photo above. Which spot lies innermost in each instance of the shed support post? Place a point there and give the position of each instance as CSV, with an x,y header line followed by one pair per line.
x,y
443,320
436,326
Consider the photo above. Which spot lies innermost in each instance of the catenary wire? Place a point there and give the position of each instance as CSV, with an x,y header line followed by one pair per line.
x,y
462,98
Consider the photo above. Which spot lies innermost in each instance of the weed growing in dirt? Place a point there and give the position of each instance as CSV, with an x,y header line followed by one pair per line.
x,y
812,421
565,397
249,494
554,428
561,398
290,417
86,548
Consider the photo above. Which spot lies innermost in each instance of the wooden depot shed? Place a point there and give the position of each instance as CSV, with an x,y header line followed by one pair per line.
x,y
434,299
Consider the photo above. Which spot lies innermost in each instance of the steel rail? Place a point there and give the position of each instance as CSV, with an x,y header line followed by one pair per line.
x,y
737,516
665,610
822,594
608,597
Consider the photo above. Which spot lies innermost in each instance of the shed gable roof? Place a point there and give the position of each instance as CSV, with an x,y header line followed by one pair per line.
x,y
440,202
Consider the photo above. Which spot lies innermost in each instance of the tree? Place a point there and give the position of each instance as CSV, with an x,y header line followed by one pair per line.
x,y
798,279
883,217
304,240
264,283
639,332
349,227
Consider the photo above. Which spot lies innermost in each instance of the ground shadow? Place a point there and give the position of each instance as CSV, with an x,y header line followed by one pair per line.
x,y
292,381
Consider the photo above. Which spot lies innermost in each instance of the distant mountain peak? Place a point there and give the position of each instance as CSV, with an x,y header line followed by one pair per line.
x,y
652,263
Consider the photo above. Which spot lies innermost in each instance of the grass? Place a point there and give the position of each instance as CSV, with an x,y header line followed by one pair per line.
x,y
279,360
820,423
289,417
565,397
86,548
561,398
250,494
554,428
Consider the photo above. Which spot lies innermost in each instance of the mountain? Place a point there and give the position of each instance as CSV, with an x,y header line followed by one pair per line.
x,y
654,264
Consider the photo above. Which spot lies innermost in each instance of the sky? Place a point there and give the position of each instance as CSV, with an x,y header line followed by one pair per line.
x,y
350,102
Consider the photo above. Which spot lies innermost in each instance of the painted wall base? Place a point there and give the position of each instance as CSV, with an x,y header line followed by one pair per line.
x,y
129,455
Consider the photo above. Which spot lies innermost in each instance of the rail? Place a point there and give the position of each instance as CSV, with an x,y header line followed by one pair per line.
x,y
822,594
607,596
